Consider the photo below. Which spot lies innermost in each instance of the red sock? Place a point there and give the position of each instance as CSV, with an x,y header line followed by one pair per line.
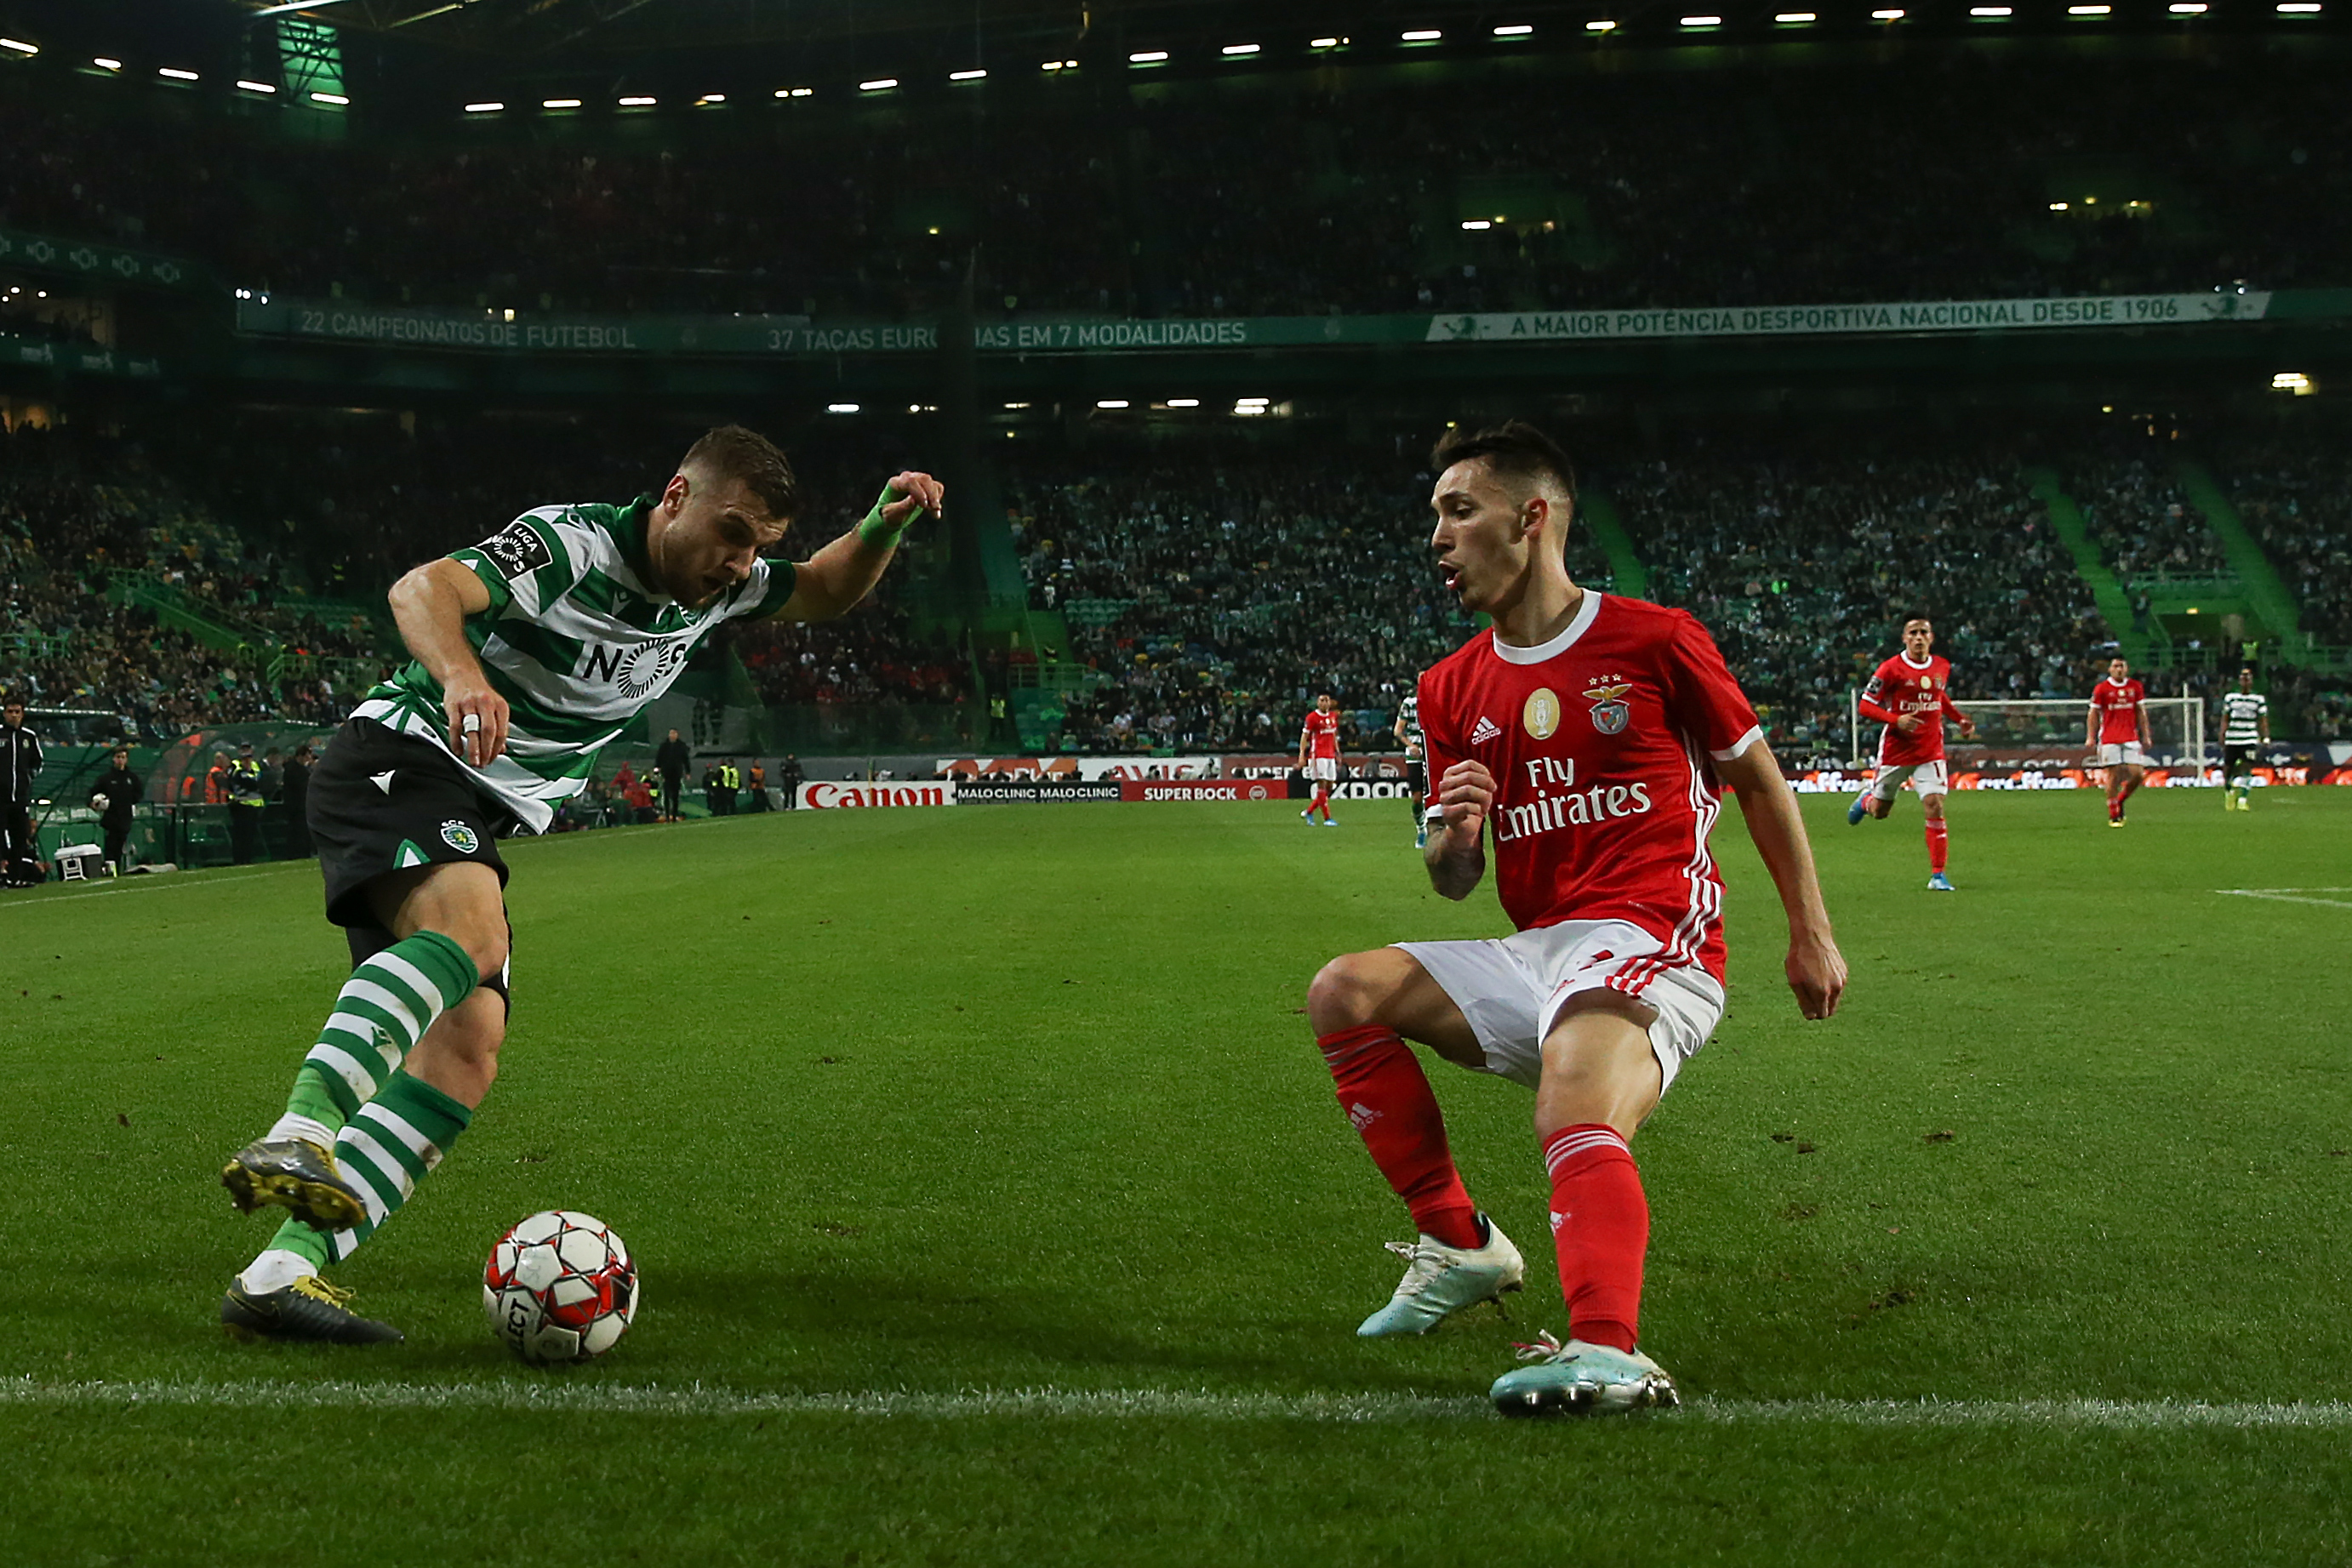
x,y
1601,1227
1386,1094
1322,802
1937,835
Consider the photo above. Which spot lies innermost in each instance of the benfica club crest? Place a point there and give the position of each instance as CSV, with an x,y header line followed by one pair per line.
x,y
1610,712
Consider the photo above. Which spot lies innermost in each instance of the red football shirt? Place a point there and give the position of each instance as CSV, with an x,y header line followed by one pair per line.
x,y
1899,686
2117,705
1322,733
1602,743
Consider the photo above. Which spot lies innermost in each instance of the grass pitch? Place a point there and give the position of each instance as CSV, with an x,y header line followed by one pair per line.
x,y
991,1206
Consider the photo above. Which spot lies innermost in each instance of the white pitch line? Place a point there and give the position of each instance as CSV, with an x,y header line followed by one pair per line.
x,y
126,885
556,1396
2290,896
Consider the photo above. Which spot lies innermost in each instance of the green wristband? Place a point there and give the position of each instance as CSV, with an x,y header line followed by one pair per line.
x,y
876,530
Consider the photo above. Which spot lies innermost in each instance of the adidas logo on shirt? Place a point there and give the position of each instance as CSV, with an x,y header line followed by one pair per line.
x,y
1485,730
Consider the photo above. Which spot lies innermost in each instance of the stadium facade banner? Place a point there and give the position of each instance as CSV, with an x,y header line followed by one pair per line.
x,y
78,357
799,338
104,263
827,795
1916,315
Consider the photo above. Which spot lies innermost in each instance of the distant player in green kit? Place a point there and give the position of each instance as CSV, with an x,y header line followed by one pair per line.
x,y
532,650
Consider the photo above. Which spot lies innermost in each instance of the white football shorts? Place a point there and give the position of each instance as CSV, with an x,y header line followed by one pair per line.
x,y
2121,753
1323,769
1927,779
1513,989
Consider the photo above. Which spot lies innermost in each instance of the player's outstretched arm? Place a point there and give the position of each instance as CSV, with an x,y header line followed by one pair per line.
x,y
1816,969
845,572
430,605
1456,853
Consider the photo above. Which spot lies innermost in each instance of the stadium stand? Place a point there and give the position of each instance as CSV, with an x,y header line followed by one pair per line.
x,y
1909,180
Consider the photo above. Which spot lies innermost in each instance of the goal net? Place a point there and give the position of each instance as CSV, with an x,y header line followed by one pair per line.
x,y
2048,733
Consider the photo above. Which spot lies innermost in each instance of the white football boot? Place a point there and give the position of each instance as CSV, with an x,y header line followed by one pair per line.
x,y
1581,1379
1440,1281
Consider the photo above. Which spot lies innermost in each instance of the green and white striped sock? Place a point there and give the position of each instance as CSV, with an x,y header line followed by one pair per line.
x,y
384,1010
394,1142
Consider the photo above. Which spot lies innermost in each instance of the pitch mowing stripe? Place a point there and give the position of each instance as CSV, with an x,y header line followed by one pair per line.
x,y
129,886
1149,1404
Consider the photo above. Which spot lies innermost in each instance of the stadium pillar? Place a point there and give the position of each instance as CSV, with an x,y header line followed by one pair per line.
x,y
983,568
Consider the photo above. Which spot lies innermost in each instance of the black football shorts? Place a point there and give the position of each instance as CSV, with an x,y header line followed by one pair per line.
x,y
383,802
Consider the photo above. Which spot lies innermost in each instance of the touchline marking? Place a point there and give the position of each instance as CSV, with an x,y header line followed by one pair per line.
x,y
145,885
1150,1404
2291,896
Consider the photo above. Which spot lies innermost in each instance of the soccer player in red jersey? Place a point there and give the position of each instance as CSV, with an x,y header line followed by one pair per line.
x,y
1318,756
1592,736
2119,729
1911,694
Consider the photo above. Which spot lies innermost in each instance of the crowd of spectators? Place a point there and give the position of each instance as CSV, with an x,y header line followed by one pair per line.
x,y
1215,595
2296,498
1927,177
2144,524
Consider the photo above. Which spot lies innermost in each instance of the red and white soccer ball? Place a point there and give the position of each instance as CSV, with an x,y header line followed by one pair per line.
x,y
559,1287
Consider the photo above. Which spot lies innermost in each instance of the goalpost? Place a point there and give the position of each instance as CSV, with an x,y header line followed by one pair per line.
x,y
2048,731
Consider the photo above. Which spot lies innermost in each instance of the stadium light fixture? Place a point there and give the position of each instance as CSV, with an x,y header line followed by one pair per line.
x,y
975,74
102,63
176,74
1600,26
879,84
1796,18
484,107
1147,57
1016,405
1232,51
338,99
256,86
794,91
1992,13
1325,43
2293,381
841,408
2090,10
1060,66
1886,15
2058,206
1184,403
2192,8
558,103
1423,35
1514,30
1702,21
1476,223
21,47
639,103
2299,9
709,98
1111,403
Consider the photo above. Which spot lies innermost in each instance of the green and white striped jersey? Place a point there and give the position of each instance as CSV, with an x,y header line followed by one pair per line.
x,y
576,641
2243,713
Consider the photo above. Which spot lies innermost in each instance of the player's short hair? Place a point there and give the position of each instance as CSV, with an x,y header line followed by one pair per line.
x,y
1514,449
731,452
1911,621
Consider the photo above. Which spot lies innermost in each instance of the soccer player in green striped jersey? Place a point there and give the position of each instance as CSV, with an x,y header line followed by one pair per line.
x,y
532,651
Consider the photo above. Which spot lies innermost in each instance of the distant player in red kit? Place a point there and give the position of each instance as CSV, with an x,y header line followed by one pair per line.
x,y
1318,756
2119,730
1911,694
1592,736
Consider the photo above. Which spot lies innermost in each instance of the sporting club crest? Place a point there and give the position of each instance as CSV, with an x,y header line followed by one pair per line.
x,y
1541,714
459,837
1610,712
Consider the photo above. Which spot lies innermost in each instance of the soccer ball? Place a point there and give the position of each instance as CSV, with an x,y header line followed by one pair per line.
x,y
559,1287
